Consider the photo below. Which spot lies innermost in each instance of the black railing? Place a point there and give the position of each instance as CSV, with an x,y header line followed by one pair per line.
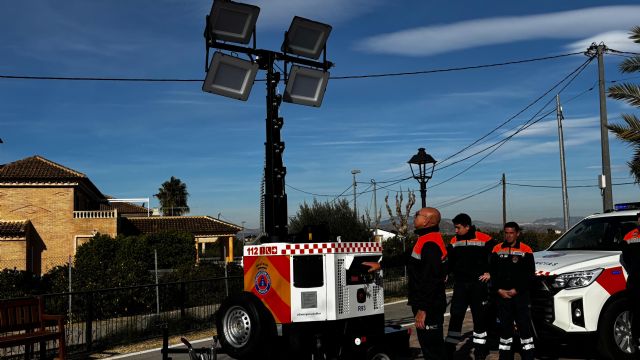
x,y
102,318
106,317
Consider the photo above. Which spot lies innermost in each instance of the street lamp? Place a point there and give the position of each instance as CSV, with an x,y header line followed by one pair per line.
x,y
419,164
228,75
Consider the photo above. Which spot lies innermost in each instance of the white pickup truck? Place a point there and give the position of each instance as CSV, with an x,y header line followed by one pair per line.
x,y
580,287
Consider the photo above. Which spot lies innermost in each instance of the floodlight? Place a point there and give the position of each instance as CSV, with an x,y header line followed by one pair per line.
x,y
230,76
306,86
306,38
232,21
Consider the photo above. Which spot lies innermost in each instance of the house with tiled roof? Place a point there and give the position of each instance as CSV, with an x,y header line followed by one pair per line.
x,y
205,229
47,210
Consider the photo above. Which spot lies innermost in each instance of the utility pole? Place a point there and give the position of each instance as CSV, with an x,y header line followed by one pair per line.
x,y
354,172
563,167
605,182
504,200
375,209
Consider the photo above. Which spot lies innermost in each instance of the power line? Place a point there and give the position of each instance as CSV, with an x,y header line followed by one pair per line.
x,y
579,68
496,145
455,68
525,126
421,72
559,187
623,52
455,201
314,194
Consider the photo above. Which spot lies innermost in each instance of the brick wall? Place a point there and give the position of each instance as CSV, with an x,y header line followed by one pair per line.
x,y
50,210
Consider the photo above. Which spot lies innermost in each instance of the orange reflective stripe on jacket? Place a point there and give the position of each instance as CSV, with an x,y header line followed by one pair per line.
x,y
434,237
632,237
480,240
521,250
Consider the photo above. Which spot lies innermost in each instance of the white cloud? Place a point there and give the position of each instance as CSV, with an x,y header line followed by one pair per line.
x,y
431,40
550,128
280,12
616,40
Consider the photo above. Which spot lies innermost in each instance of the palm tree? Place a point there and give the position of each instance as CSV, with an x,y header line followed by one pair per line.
x,y
173,197
629,93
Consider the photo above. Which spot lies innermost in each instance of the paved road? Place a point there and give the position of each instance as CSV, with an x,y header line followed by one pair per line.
x,y
399,313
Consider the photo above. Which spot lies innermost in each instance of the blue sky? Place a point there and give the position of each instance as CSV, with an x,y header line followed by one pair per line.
x,y
130,137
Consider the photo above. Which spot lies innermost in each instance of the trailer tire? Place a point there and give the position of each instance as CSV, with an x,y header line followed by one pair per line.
x,y
245,326
615,331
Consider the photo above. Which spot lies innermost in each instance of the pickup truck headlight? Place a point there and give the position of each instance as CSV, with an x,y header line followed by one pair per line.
x,y
576,279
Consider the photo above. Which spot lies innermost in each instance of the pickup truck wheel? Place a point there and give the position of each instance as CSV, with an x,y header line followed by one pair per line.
x,y
245,327
614,336
377,353
379,356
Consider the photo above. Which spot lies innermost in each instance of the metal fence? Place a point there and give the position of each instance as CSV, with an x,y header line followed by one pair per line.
x,y
108,317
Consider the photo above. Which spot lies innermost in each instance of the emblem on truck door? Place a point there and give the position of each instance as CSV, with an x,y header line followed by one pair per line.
x,y
262,282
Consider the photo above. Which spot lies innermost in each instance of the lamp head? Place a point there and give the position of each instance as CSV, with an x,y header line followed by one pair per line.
x,y
421,160
306,38
232,21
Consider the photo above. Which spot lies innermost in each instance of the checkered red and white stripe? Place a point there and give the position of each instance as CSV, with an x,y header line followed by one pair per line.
x,y
312,248
330,248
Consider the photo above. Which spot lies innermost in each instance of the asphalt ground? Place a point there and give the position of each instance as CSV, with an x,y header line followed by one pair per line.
x,y
399,313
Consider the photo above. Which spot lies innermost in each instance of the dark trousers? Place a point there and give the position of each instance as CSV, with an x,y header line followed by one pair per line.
x,y
431,337
468,294
634,295
510,310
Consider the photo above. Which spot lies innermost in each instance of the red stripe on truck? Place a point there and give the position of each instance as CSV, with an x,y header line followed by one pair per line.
x,y
612,280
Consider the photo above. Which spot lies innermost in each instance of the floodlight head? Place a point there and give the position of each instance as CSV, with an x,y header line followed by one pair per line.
x,y
232,21
306,86
306,38
229,76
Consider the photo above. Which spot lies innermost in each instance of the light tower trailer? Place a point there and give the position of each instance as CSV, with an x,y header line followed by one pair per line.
x,y
309,300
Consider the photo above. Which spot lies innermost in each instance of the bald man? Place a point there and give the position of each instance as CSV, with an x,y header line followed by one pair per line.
x,y
427,272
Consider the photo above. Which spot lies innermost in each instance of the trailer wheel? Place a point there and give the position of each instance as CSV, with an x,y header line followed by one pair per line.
x,y
614,337
245,326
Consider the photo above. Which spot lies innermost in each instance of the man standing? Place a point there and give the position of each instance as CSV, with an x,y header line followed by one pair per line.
x,y
512,269
427,273
469,253
630,259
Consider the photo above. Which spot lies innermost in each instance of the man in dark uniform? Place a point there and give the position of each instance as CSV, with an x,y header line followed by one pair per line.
x,y
630,259
512,269
468,254
427,274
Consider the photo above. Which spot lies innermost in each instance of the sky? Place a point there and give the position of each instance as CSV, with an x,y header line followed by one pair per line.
x,y
130,137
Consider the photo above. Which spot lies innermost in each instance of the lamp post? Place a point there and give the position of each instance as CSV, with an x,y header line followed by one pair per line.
x,y
230,76
419,164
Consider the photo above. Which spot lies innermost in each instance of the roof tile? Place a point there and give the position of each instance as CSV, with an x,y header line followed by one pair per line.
x,y
13,229
37,168
196,225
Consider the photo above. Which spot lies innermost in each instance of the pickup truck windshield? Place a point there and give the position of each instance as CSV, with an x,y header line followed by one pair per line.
x,y
605,233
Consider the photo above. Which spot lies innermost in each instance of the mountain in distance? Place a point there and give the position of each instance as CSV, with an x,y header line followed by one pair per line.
x,y
539,225
446,226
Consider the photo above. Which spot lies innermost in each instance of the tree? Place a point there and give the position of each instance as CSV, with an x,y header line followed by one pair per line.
x,y
173,197
337,218
401,221
175,249
629,93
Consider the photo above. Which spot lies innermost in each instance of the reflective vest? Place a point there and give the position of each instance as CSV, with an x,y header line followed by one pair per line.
x,y
434,237
632,237
480,240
